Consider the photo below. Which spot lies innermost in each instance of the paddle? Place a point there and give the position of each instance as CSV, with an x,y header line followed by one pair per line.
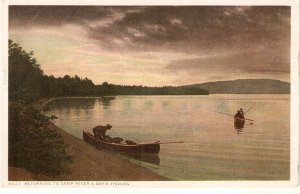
x,y
225,114
164,142
233,116
244,119
248,110
170,142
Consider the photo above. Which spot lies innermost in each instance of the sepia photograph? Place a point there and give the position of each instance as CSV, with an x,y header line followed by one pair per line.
x,y
122,95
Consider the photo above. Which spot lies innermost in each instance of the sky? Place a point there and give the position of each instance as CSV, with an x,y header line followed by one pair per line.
x,y
156,45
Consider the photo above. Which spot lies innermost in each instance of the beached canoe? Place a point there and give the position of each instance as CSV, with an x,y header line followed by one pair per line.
x,y
152,148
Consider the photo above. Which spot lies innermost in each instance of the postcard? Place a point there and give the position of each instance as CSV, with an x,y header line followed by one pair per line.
x,y
150,94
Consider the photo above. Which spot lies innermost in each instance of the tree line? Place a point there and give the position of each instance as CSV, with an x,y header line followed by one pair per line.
x,y
111,89
27,82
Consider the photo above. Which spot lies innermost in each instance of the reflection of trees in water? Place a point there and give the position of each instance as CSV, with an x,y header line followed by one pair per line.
x,y
106,101
79,103
74,103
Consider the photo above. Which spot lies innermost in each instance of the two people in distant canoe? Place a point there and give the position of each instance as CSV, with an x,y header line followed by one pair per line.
x,y
240,114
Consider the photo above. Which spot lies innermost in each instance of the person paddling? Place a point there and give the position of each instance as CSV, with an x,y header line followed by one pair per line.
x,y
100,131
242,112
239,114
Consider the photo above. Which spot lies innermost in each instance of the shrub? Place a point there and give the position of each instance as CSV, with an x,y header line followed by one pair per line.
x,y
32,143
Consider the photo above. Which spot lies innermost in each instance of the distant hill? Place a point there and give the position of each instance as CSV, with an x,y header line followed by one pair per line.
x,y
246,86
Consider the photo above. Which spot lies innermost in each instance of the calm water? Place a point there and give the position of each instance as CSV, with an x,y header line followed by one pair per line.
x,y
213,148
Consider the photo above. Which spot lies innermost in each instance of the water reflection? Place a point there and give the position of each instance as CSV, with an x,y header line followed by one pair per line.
x,y
149,158
75,103
239,126
106,101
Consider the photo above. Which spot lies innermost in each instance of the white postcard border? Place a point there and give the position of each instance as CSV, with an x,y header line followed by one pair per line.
x,y
294,106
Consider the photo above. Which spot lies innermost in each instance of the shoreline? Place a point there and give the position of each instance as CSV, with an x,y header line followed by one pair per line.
x,y
89,163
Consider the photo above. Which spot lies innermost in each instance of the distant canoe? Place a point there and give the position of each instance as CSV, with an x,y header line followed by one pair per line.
x,y
152,148
239,123
239,120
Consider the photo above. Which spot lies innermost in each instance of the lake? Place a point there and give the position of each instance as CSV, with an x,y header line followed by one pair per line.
x,y
213,148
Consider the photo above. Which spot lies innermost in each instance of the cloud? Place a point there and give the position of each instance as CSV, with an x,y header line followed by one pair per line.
x,y
262,61
33,16
180,28
54,15
198,28
178,40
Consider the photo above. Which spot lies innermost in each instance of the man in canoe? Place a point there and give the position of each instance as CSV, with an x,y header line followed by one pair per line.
x,y
100,131
242,112
239,114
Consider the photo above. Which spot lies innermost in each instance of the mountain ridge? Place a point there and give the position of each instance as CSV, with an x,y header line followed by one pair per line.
x,y
245,86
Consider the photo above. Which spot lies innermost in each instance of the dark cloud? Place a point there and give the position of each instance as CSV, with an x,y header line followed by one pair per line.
x,y
200,28
194,28
29,16
263,61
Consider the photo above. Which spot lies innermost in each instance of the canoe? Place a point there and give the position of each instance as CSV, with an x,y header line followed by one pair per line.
x,y
238,120
239,123
152,148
